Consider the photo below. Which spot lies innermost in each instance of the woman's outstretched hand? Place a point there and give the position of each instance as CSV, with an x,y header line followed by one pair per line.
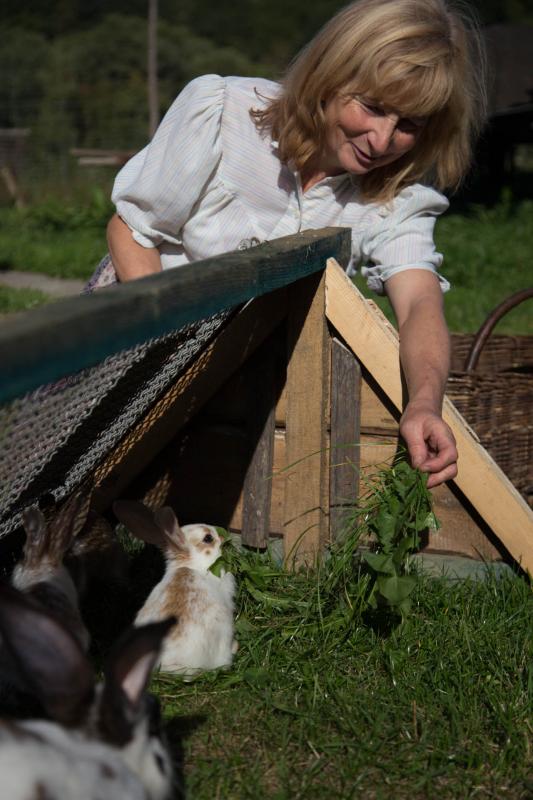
x,y
430,443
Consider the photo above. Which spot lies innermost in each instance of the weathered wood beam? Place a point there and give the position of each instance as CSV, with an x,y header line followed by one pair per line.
x,y
47,343
261,398
483,483
345,450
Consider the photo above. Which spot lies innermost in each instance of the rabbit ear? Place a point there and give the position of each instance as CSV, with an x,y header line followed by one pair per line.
x,y
73,513
50,661
70,519
140,521
97,536
36,536
127,675
168,523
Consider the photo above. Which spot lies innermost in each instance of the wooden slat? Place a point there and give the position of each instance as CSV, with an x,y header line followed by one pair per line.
x,y
344,435
257,488
480,479
462,532
375,416
49,342
306,476
179,404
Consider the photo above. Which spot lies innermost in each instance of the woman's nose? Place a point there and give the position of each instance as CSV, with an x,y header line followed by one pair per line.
x,y
381,133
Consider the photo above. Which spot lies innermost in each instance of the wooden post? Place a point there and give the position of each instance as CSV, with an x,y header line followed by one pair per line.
x,y
261,423
306,514
345,451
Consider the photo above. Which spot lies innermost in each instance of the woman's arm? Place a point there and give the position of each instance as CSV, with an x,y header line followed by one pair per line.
x,y
130,259
416,298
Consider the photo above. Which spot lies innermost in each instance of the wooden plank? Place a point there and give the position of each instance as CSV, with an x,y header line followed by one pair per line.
x,y
179,404
375,416
257,488
200,474
345,452
306,475
49,342
461,530
216,455
480,479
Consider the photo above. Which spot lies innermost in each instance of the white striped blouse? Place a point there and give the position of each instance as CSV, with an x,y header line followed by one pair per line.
x,y
209,183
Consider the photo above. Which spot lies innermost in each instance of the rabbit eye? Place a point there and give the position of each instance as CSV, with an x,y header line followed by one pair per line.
x,y
208,538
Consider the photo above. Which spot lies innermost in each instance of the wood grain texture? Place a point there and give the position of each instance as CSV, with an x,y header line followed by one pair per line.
x,y
306,475
257,488
47,343
345,451
480,479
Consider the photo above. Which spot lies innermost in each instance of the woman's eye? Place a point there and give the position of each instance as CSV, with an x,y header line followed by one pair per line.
x,y
372,108
410,125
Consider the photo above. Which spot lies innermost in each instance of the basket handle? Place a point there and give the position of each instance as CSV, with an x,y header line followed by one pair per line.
x,y
486,329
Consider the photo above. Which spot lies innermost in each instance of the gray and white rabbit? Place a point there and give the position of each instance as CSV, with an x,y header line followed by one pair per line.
x,y
42,572
202,601
100,741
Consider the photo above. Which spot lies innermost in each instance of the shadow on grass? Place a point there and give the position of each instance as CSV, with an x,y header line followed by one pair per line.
x,y
177,731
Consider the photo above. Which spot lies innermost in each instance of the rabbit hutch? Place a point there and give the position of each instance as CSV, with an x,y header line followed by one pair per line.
x,y
257,391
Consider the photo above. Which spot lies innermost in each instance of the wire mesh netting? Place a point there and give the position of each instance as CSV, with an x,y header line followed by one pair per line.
x,y
52,438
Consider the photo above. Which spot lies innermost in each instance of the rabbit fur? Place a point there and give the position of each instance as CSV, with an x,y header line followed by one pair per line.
x,y
101,741
202,601
42,572
53,571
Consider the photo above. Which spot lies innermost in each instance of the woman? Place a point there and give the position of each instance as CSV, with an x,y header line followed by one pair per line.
x,y
383,105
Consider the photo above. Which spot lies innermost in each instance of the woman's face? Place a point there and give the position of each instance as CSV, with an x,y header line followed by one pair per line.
x,y
362,135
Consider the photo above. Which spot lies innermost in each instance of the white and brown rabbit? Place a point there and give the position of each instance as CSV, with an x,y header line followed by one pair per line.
x,y
202,601
100,741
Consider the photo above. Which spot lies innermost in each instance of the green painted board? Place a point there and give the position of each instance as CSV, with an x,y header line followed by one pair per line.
x,y
47,343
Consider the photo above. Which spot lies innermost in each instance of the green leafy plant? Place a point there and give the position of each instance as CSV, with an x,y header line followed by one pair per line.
x,y
348,581
401,509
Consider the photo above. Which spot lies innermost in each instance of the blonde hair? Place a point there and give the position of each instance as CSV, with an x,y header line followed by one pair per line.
x,y
419,57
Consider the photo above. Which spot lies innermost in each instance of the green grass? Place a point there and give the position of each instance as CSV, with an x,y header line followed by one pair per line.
x,y
330,698
439,708
70,254
12,300
60,239
442,709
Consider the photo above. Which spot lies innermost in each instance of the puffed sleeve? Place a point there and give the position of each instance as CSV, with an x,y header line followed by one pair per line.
x,y
402,238
156,190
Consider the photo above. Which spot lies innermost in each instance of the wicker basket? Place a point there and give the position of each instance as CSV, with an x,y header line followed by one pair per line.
x,y
491,383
